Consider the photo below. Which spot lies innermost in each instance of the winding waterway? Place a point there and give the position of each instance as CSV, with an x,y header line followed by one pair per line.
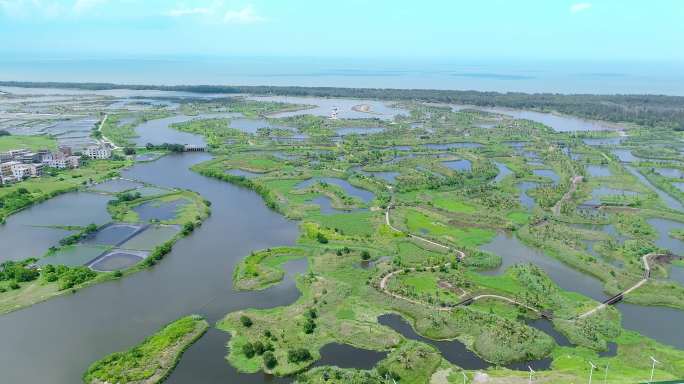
x,y
56,341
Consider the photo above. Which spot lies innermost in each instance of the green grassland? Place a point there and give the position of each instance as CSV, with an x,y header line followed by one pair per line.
x,y
264,268
32,143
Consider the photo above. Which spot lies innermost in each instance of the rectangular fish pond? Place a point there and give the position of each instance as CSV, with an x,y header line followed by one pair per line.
x,y
114,234
152,237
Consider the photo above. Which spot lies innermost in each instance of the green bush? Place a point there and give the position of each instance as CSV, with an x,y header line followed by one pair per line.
x,y
246,321
321,238
248,350
270,360
298,355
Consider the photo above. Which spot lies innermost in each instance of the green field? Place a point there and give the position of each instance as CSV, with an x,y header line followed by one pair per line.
x,y
33,143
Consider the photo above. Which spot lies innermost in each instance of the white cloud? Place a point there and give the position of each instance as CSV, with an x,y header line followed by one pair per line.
x,y
180,12
218,12
245,15
579,7
47,8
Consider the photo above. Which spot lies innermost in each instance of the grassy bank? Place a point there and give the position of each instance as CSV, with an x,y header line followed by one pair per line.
x,y
152,360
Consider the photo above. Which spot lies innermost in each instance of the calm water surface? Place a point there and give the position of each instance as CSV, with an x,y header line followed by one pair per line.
x,y
24,234
365,195
194,278
503,171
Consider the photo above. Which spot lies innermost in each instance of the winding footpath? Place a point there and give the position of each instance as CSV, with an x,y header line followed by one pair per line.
x,y
384,282
104,139
461,255
573,187
647,275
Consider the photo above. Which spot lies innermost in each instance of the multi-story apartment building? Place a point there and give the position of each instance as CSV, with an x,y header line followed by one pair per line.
x,y
98,152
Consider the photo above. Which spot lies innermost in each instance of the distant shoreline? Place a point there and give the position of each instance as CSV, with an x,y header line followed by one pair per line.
x,y
284,90
646,110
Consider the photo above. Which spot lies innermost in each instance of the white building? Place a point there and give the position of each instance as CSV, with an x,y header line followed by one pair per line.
x,y
58,160
98,152
19,170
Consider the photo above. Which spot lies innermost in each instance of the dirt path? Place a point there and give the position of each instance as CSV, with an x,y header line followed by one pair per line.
x,y
104,139
573,187
461,255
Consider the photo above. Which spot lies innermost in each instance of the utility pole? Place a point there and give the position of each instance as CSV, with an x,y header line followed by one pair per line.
x,y
465,378
653,369
605,377
591,371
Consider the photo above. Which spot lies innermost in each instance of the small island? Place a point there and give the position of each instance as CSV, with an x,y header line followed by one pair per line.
x,y
152,360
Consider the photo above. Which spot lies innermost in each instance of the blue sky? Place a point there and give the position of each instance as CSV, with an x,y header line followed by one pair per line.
x,y
482,29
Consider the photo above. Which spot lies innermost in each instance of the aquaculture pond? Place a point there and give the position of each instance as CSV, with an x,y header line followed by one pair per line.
x,y
200,267
74,256
114,234
365,195
74,133
31,232
117,260
151,237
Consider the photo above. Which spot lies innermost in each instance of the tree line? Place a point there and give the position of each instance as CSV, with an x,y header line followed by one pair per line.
x,y
648,110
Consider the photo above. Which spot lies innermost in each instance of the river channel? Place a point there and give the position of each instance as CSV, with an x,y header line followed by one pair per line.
x,y
56,341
